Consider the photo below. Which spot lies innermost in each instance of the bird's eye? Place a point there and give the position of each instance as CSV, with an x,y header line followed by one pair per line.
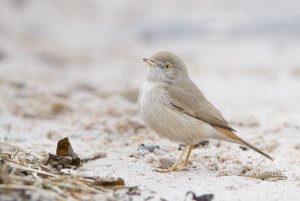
x,y
167,65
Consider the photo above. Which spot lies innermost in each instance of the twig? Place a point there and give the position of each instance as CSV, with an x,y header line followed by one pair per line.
x,y
78,182
267,177
33,188
31,170
21,150
13,156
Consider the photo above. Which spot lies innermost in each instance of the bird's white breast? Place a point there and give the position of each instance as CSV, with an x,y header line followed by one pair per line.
x,y
149,85
152,96
160,116
153,100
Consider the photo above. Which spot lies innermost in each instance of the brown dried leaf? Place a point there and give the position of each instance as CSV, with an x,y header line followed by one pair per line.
x,y
64,148
65,156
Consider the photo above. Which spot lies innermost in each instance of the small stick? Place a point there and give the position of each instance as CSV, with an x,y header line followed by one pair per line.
x,y
267,177
24,187
31,170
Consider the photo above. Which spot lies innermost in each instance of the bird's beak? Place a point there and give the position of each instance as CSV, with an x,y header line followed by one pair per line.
x,y
150,62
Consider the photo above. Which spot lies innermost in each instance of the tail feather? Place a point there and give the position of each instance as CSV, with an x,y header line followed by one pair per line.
x,y
256,149
234,137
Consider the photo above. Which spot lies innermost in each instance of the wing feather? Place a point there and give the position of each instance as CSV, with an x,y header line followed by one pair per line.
x,y
194,103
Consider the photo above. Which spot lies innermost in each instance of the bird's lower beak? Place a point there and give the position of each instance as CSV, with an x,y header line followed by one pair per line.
x,y
150,62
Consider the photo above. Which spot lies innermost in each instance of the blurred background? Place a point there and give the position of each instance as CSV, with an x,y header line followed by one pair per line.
x,y
55,55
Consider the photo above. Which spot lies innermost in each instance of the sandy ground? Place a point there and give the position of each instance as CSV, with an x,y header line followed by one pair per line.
x,y
74,69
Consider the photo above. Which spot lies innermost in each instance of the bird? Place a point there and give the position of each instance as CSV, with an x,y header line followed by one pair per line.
x,y
172,105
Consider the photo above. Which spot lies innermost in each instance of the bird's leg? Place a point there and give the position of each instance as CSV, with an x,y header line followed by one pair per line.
x,y
175,166
188,155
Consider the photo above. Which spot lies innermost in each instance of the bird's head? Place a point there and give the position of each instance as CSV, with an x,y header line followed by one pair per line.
x,y
166,67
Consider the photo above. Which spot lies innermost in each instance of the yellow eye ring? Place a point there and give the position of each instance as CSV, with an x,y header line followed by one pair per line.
x,y
167,65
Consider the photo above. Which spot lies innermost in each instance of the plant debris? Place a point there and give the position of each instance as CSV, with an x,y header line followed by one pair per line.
x,y
64,148
206,197
62,162
65,156
108,182
267,177
23,174
94,157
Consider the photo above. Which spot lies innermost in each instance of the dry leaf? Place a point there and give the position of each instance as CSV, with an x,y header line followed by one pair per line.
x,y
64,148
65,156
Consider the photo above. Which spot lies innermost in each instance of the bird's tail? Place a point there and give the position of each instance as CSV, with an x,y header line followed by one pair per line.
x,y
256,149
236,138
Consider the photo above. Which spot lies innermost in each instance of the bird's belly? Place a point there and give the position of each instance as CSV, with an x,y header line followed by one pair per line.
x,y
170,123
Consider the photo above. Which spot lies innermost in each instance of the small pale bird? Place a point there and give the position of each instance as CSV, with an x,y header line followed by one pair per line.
x,y
175,108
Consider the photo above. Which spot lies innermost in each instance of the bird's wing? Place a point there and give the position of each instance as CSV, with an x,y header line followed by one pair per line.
x,y
194,103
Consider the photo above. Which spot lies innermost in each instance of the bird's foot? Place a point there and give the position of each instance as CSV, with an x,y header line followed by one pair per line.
x,y
187,162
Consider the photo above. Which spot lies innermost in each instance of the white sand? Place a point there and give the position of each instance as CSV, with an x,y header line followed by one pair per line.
x,y
74,68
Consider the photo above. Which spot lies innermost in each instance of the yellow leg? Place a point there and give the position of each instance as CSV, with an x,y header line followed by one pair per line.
x,y
175,166
188,155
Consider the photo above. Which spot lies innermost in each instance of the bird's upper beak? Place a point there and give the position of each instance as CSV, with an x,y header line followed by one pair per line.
x,y
150,62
